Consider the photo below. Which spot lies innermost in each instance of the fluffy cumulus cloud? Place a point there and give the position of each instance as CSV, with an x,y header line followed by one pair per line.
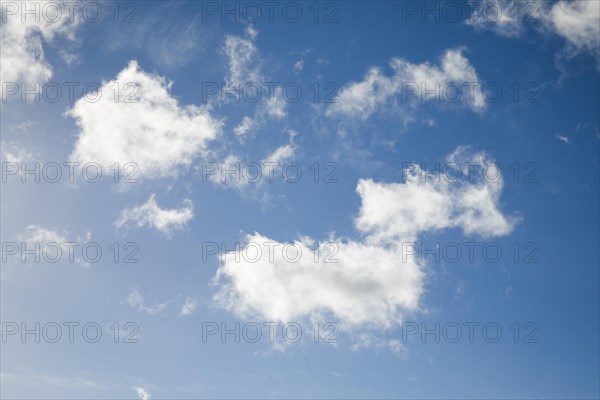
x,y
425,202
356,283
454,80
134,118
365,284
22,50
578,22
151,215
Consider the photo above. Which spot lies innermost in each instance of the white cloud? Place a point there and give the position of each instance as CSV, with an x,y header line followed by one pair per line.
x,y
70,58
271,108
245,126
284,153
378,91
245,69
22,127
251,32
12,152
144,124
165,38
39,234
429,121
242,56
151,215
225,175
136,301
395,211
281,154
365,340
245,64
365,287
373,285
22,49
275,106
233,181
35,235
142,393
502,17
189,306
298,66
578,22
562,138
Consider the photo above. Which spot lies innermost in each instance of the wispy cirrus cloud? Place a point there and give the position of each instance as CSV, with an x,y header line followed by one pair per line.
x,y
136,300
188,307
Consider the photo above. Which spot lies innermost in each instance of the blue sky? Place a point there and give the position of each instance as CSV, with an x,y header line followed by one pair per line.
x,y
154,101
